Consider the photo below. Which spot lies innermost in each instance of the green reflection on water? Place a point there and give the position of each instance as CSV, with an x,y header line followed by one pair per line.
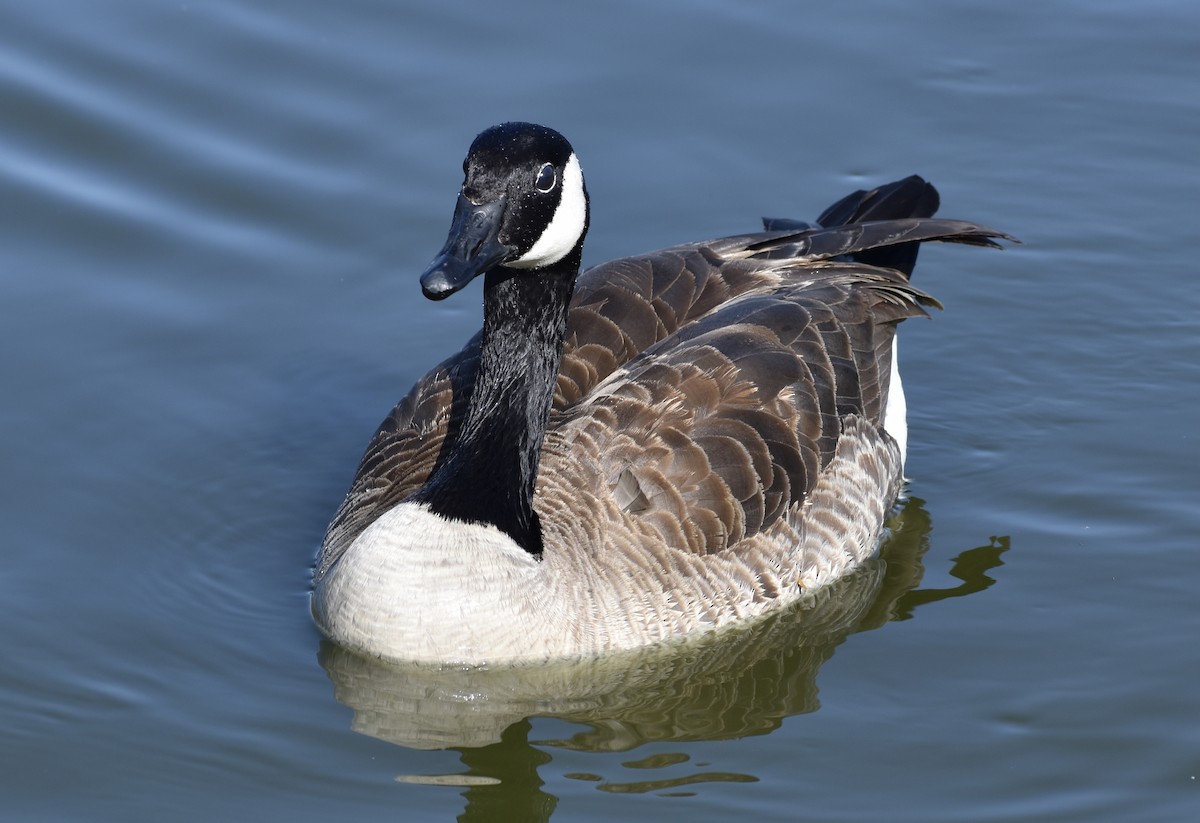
x,y
734,683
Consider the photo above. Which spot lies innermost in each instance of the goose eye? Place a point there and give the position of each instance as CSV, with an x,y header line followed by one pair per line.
x,y
545,179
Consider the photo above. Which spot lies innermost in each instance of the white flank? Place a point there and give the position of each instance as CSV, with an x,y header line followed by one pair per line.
x,y
895,416
565,227
417,587
414,586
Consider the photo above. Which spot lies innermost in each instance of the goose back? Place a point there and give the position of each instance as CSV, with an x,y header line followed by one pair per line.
x,y
710,383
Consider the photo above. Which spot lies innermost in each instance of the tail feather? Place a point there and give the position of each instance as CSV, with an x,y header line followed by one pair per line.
x,y
910,197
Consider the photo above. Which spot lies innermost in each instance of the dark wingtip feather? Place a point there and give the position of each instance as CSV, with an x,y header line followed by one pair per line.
x,y
911,200
786,224
866,242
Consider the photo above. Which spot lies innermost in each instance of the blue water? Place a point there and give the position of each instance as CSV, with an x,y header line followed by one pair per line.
x,y
211,219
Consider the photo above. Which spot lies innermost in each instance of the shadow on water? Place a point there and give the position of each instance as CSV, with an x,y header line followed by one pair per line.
x,y
734,683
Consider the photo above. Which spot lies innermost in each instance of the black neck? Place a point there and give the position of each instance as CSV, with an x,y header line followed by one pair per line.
x,y
490,470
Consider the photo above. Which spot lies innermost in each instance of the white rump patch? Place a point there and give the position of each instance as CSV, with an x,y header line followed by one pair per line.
x,y
565,227
895,415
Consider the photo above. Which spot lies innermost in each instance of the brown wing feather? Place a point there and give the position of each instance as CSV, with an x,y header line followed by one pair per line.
x,y
619,309
404,450
624,307
715,432
728,365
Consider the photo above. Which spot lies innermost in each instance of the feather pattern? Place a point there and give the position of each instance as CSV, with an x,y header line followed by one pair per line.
x,y
766,365
715,445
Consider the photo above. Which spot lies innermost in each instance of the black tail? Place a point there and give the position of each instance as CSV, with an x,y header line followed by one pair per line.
x,y
910,197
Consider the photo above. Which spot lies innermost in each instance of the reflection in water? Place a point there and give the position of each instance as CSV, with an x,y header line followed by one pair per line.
x,y
971,567
734,683
519,794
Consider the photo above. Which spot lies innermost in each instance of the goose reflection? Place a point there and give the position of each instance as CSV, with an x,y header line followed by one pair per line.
x,y
728,684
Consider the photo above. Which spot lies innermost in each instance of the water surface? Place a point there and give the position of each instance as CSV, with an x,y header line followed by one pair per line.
x,y
212,216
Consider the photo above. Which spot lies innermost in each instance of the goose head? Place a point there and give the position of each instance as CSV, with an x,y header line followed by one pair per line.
x,y
523,205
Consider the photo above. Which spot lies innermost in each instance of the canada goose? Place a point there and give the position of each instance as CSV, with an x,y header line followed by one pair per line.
x,y
662,445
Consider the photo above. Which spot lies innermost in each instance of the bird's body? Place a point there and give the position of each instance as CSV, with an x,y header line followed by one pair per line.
x,y
673,443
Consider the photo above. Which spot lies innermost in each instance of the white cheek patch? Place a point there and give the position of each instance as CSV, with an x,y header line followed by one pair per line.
x,y
565,227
